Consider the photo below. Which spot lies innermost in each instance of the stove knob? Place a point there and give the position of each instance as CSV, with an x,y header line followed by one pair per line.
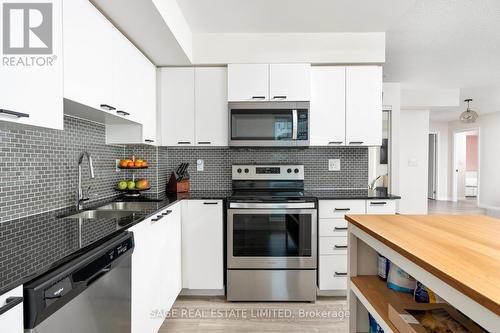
x,y
239,170
247,171
296,170
289,170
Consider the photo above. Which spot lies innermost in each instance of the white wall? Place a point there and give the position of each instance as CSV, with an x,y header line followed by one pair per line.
x,y
441,129
413,161
489,157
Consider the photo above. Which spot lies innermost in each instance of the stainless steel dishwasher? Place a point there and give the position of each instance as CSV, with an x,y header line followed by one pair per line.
x,y
89,294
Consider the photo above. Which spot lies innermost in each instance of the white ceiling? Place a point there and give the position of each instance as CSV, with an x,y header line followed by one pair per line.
x,y
445,43
261,16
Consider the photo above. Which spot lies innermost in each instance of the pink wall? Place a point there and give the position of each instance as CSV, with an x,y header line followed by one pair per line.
x,y
471,153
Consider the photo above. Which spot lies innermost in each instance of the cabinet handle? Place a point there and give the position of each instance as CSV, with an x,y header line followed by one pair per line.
x,y
149,140
340,228
356,142
204,143
342,209
14,113
335,142
156,219
279,97
378,203
10,303
183,142
258,97
123,113
108,107
340,274
210,203
166,213
339,247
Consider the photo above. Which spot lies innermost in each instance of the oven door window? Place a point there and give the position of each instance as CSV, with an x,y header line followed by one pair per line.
x,y
261,124
272,235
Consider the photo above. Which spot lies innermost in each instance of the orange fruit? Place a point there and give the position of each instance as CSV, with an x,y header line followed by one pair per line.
x,y
123,163
130,164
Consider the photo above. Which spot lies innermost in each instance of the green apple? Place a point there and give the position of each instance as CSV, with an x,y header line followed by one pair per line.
x,y
131,185
122,185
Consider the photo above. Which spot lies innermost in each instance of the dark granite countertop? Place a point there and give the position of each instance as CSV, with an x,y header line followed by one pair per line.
x,y
33,245
341,194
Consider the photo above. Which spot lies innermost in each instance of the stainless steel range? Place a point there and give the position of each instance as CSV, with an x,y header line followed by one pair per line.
x,y
271,235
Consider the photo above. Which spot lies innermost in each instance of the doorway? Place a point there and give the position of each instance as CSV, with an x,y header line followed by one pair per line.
x,y
433,169
466,168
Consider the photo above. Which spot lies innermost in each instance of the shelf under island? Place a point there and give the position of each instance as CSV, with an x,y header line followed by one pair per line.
x,y
458,257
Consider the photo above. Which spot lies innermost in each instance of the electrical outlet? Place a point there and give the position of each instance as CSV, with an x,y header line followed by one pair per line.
x,y
334,165
200,165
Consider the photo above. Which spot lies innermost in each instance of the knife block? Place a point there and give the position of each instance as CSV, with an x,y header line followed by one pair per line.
x,y
175,186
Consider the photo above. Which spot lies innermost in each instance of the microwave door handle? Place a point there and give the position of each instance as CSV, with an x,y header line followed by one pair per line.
x,y
294,124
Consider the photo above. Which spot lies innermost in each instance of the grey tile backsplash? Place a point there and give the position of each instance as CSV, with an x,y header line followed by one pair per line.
x,y
38,167
217,165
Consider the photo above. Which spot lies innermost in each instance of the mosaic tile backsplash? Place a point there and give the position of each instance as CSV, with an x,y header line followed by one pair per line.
x,y
39,166
218,161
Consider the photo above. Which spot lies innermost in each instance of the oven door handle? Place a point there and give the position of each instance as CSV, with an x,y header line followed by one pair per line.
x,y
248,205
295,120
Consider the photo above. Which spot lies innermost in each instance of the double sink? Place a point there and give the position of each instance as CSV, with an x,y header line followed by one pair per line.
x,y
115,210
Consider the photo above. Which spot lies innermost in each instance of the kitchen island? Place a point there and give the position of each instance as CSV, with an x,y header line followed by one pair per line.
x,y
458,257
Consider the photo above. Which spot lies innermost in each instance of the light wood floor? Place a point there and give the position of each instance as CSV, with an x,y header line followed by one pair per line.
x,y
467,207
214,314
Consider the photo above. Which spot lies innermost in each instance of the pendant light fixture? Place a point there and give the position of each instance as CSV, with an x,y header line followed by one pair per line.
x,y
469,115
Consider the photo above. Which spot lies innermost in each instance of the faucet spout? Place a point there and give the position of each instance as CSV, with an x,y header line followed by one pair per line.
x,y
80,197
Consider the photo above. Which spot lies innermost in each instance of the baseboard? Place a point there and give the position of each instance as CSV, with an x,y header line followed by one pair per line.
x,y
203,292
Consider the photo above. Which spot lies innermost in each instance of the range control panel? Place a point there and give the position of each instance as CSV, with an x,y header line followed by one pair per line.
x,y
268,172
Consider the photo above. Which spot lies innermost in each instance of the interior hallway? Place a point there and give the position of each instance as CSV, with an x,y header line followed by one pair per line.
x,y
467,207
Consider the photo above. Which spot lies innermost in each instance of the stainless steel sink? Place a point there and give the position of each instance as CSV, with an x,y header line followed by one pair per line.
x,y
100,214
129,206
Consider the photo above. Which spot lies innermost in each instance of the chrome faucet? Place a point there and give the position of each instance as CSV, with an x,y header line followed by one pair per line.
x,y
79,197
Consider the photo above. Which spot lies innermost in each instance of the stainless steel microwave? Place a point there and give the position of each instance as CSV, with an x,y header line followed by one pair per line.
x,y
269,124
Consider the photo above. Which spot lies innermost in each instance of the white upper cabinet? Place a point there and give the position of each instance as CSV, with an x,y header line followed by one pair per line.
x,y
327,114
177,106
248,82
364,105
31,85
290,82
211,113
88,55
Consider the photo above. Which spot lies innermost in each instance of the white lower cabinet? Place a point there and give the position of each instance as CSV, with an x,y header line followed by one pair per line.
x,y
11,311
202,245
156,272
332,264
333,272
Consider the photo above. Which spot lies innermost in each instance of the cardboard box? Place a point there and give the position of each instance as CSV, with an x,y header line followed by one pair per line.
x,y
405,317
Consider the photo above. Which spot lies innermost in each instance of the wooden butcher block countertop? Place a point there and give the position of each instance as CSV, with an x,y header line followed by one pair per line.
x,y
461,250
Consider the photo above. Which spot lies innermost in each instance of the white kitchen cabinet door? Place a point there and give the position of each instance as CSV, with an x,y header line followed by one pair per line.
x,y
202,245
364,105
134,94
248,82
171,266
31,85
146,281
333,272
327,113
177,106
12,320
289,82
88,64
211,112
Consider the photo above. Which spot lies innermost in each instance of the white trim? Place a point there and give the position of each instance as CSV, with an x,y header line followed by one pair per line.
x,y
477,312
